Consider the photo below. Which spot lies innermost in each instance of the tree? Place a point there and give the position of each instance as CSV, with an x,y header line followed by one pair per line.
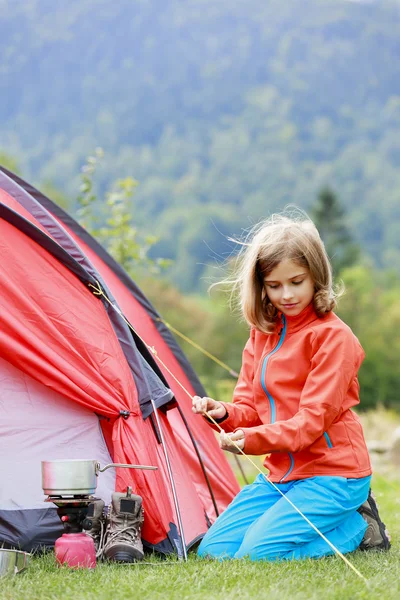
x,y
371,308
111,222
330,218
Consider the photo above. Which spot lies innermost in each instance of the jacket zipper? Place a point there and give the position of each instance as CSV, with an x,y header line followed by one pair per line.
x,y
270,398
264,369
290,468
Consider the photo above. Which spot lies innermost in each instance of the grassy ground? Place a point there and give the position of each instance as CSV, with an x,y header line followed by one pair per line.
x,y
328,578
197,579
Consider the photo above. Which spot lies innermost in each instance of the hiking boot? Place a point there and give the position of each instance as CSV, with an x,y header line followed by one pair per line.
x,y
96,521
124,525
376,536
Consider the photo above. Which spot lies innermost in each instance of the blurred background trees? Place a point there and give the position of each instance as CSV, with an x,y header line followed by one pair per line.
x,y
223,112
330,218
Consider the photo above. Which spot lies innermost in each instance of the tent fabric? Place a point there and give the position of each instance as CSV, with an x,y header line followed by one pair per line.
x,y
56,331
52,344
32,199
148,323
66,343
67,252
30,529
28,411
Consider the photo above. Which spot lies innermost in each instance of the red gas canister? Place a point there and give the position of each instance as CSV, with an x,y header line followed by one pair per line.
x,y
75,550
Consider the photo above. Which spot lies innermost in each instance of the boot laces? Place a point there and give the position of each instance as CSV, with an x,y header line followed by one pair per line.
x,y
128,533
98,536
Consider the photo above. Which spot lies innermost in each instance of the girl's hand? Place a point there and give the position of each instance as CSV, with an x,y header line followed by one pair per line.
x,y
226,444
215,409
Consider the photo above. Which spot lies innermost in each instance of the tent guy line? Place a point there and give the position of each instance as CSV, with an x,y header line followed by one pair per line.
x,y
200,349
219,362
98,291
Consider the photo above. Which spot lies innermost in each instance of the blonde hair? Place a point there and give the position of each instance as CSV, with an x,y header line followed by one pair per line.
x,y
291,236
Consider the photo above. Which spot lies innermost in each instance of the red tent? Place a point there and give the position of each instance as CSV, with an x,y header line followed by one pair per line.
x,y
77,382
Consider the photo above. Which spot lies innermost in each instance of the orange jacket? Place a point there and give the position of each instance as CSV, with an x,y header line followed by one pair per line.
x,y
294,395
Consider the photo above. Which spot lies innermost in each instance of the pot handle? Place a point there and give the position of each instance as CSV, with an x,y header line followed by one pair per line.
x,y
146,467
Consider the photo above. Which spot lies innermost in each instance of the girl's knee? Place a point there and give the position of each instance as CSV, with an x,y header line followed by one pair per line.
x,y
260,552
215,550
263,547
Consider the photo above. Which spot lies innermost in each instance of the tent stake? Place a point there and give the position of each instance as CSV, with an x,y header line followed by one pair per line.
x,y
171,479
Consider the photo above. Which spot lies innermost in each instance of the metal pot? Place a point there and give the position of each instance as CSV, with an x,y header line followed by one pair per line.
x,y
76,477
12,561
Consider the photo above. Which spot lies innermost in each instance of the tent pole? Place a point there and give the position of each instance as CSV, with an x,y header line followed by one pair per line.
x,y
171,479
203,468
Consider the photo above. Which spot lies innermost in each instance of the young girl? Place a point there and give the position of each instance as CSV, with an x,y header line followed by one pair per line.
x,y
293,402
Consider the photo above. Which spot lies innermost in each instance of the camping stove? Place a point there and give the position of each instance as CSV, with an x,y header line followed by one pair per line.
x,y
75,548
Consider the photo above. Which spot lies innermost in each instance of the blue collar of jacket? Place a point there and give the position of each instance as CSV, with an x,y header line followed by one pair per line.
x,y
295,323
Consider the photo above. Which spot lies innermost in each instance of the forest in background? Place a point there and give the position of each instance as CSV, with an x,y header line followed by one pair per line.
x,y
223,113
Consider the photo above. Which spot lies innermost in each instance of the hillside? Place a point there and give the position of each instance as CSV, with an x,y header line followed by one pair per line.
x,y
224,111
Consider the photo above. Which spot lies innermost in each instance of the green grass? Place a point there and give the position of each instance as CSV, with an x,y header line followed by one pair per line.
x,y
327,578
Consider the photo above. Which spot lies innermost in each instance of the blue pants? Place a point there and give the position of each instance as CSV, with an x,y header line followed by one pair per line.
x,y
260,524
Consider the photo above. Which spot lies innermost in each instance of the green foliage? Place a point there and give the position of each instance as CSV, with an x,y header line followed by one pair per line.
x,y
112,224
87,197
371,308
229,109
208,323
9,162
330,218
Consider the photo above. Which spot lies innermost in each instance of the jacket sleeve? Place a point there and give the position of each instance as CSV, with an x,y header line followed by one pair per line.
x,y
241,412
336,358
